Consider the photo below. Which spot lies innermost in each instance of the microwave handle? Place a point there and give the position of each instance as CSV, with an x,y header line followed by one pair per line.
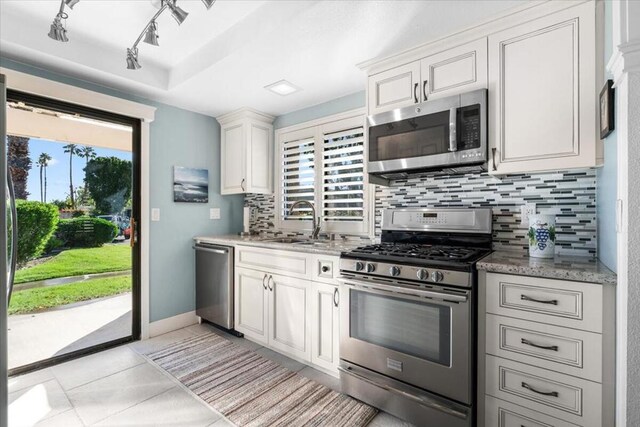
x,y
453,137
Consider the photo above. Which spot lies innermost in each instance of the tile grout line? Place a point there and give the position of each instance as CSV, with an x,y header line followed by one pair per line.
x,y
98,379
129,407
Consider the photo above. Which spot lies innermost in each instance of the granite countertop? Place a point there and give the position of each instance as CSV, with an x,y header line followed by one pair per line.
x,y
579,269
324,247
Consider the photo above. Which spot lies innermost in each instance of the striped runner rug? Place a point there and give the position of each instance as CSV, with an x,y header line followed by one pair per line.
x,y
251,390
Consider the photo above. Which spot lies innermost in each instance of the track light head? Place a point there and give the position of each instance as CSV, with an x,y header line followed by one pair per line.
x,y
71,3
151,36
57,31
132,59
208,3
178,13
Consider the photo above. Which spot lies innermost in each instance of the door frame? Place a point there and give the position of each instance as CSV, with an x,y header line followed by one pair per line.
x,y
105,104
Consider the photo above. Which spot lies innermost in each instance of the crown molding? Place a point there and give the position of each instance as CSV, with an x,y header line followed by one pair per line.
x,y
245,113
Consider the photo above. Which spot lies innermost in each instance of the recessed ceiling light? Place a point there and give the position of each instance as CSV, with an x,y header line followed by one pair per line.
x,y
283,88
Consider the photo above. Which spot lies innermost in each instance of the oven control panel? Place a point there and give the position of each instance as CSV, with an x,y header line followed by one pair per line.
x,y
405,272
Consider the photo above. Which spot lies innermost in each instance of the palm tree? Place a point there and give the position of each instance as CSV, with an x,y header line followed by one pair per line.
x,y
88,153
43,162
73,150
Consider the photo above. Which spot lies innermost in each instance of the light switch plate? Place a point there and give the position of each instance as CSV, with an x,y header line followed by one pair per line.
x,y
214,213
526,210
155,214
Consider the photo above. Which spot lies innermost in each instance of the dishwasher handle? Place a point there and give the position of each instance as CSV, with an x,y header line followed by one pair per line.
x,y
209,248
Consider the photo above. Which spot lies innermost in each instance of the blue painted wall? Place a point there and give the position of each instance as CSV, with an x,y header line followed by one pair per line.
x,y
183,138
607,175
335,106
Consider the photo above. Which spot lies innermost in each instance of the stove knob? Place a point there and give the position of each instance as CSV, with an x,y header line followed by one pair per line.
x,y
422,274
437,276
394,271
371,268
359,266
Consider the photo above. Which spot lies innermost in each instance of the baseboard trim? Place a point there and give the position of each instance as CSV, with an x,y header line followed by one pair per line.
x,y
169,324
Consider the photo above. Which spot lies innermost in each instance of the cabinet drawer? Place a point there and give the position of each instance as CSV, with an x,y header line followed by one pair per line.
x,y
571,304
274,261
568,398
500,413
568,351
325,268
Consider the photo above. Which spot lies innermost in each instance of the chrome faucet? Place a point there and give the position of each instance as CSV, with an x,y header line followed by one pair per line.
x,y
316,221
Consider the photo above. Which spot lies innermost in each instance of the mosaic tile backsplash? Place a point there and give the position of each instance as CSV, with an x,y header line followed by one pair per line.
x,y
569,195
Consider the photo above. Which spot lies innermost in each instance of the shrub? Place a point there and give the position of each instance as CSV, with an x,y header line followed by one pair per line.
x,y
86,232
36,224
52,244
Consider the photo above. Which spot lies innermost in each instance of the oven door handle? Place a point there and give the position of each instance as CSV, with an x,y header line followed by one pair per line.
x,y
394,290
429,403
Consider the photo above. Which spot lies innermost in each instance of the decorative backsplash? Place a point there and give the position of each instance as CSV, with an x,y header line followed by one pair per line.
x,y
569,195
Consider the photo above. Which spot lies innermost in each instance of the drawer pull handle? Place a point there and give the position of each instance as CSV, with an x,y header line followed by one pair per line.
x,y
544,393
550,301
544,347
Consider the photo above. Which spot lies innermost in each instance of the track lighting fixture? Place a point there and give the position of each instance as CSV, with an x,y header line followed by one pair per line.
x,y
150,32
57,31
151,36
132,59
71,3
178,14
208,3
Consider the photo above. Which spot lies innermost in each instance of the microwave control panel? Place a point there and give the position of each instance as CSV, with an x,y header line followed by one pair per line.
x,y
469,127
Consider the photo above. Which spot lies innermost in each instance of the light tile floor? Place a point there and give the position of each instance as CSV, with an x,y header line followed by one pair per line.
x,y
120,387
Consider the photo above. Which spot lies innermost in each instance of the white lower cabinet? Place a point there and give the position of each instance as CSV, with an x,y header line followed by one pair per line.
x,y
251,304
326,326
289,315
292,315
545,352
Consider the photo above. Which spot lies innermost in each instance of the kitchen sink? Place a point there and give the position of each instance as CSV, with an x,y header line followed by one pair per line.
x,y
285,240
311,242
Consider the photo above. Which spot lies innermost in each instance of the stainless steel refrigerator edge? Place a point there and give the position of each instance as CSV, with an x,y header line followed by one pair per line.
x,y
4,402
214,284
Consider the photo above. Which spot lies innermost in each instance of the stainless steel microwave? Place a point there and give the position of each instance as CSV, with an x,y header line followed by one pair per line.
x,y
444,133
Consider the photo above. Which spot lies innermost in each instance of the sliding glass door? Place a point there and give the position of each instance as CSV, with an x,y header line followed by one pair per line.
x,y
75,172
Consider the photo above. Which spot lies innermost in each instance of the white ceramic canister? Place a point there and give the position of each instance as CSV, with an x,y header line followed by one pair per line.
x,y
542,236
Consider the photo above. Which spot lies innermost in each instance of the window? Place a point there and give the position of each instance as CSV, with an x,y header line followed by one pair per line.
x,y
324,165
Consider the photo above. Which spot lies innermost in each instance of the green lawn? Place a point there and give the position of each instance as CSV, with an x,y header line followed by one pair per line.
x,y
36,299
76,262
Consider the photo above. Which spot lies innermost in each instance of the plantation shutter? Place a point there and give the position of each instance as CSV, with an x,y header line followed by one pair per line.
x,y
343,177
298,177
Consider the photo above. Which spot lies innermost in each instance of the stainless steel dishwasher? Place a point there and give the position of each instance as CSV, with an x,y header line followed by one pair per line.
x,y
214,284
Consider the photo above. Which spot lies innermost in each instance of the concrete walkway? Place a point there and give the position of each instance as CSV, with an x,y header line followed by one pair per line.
x,y
71,279
38,336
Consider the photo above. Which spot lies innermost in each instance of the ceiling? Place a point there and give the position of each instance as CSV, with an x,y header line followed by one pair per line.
x,y
220,60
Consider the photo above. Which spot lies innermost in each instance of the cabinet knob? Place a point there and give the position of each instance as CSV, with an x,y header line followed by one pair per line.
x,y
325,268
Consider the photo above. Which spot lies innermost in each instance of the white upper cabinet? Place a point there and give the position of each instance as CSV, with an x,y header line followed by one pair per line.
x,y
246,152
457,70
461,69
395,88
543,91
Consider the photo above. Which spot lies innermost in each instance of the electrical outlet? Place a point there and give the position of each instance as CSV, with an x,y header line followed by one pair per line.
x,y
155,214
214,213
526,210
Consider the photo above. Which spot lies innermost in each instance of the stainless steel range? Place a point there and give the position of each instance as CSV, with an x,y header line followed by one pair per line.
x,y
407,327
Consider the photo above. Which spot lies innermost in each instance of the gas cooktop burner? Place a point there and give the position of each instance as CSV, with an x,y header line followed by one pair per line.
x,y
416,252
